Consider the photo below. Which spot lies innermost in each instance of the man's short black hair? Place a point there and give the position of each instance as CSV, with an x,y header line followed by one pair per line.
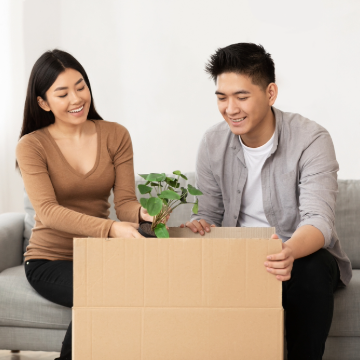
x,y
243,58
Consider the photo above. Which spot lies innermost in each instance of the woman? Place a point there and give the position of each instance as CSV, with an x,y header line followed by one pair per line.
x,y
70,159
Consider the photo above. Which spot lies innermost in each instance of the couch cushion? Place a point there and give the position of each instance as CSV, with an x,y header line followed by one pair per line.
x,y
346,320
29,221
22,306
347,219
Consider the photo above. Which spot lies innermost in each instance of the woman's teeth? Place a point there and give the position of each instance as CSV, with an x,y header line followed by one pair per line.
x,y
238,120
76,110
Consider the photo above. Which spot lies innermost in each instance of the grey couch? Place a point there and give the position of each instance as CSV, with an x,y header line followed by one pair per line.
x,y
29,322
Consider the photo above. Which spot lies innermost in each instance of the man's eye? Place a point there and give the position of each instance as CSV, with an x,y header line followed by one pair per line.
x,y
221,99
243,98
62,96
82,88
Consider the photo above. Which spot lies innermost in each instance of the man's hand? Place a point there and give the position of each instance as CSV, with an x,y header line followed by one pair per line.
x,y
198,226
280,264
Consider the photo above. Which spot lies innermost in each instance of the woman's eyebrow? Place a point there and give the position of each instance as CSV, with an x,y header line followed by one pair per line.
x,y
65,87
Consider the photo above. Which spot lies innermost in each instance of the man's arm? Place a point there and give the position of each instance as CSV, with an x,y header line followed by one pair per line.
x,y
211,206
318,189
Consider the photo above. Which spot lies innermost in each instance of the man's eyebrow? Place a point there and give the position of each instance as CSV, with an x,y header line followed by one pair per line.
x,y
235,93
65,87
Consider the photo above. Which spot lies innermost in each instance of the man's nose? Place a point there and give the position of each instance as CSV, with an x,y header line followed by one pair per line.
x,y
232,108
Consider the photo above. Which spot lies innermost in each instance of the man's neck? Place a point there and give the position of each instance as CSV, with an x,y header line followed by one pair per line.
x,y
262,133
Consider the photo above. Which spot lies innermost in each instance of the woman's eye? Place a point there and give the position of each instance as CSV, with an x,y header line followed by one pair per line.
x,y
82,88
62,96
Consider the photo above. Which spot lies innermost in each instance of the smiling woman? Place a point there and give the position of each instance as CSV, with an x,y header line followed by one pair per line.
x,y
70,159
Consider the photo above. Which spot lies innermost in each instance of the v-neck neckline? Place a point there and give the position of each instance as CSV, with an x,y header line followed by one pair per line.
x,y
98,134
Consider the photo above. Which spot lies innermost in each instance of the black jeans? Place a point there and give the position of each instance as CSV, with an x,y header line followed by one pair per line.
x,y
307,299
54,281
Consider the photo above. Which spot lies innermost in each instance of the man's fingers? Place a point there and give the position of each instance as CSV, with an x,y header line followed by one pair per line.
x,y
191,226
274,236
199,227
212,225
278,271
277,264
283,278
280,256
205,225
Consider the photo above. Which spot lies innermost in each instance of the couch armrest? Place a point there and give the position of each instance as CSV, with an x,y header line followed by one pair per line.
x,y
11,239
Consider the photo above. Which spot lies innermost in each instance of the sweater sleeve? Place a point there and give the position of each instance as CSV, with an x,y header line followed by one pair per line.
x,y
32,160
127,206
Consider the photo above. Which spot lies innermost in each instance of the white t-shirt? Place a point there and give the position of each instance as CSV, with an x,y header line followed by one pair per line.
x,y
252,210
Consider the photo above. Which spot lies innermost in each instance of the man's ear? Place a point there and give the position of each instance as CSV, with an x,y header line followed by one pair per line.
x,y
272,92
43,104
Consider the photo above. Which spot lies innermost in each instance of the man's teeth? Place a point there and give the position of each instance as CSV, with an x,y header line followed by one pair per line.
x,y
238,120
77,110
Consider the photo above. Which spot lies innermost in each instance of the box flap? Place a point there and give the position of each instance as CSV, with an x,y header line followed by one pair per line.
x,y
224,272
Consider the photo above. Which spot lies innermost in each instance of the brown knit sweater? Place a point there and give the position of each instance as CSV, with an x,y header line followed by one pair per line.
x,y
68,204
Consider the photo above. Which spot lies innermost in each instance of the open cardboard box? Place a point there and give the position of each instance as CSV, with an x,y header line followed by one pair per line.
x,y
184,298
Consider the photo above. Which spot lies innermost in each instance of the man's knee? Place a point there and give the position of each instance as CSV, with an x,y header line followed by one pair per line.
x,y
314,273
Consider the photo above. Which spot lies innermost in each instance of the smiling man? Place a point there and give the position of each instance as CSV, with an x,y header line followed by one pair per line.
x,y
264,167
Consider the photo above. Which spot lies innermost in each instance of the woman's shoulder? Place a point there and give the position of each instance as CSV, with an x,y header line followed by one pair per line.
x,y
31,140
110,125
31,145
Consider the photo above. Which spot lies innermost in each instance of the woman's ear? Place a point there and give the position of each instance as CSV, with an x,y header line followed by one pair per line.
x,y
43,104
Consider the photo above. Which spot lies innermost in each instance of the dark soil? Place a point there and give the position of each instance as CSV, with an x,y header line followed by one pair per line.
x,y
146,229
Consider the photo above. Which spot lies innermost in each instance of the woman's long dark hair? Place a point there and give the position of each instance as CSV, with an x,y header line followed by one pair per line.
x,y
44,73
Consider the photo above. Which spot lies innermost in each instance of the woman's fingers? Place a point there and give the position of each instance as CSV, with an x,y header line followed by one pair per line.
x,y
134,225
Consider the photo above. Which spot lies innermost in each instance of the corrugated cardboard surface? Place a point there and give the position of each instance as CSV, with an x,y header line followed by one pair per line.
x,y
180,298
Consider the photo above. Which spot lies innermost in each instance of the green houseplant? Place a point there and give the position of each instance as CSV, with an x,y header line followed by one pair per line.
x,y
165,195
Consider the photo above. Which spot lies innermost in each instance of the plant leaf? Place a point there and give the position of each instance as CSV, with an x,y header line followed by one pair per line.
x,y
144,176
154,206
177,185
161,177
194,191
155,184
177,172
184,194
161,231
195,208
183,176
153,177
144,189
143,202
169,194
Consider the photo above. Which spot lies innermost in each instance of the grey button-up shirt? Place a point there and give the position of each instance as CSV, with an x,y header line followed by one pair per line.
x,y
299,180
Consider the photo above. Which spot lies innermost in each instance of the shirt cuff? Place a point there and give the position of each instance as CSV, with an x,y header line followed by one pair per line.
x,y
321,225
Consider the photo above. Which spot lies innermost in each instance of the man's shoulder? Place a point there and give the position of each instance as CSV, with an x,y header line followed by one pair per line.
x,y
300,124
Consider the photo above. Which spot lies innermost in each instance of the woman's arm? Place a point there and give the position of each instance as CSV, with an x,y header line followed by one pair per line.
x,y
126,204
32,161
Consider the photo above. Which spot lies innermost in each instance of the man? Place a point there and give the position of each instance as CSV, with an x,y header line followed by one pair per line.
x,y
265,167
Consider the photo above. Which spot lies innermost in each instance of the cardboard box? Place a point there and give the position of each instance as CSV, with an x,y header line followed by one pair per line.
x,y
183,298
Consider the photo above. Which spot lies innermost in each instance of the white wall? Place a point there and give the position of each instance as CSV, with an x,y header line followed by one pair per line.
x,y
145,61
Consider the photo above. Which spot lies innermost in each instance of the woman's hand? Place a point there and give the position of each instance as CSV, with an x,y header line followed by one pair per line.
x,y
144,215
124,230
